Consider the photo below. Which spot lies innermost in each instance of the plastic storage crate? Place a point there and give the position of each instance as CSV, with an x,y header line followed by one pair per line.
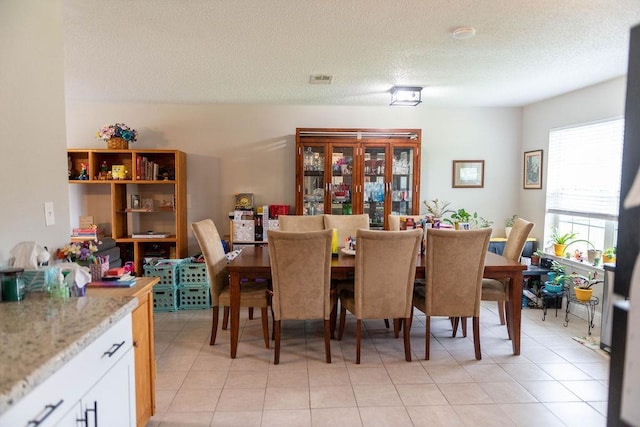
x,y
166,270
194,297
165,298
194,273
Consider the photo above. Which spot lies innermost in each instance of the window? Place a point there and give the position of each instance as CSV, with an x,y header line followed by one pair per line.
x,y
583,182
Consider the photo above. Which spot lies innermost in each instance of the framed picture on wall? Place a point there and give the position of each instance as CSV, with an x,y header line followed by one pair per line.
x,y
532,171
468,174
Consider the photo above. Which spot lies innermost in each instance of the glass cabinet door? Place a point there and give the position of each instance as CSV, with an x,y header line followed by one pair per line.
x,y
342,180
402,190
374,184
313,181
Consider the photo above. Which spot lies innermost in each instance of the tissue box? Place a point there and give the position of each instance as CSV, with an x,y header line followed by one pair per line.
x,y
35,280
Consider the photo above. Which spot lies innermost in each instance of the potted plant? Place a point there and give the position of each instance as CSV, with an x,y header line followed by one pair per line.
x,y
508,224
461,216
609,255
594,256
561,241
582,285
535,257
555,270
437,208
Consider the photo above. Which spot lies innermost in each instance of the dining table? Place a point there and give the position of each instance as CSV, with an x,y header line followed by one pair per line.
x,y
253,262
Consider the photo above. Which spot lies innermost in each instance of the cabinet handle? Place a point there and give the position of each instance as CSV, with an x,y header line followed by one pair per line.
x,y
95,414
135,344
48,411
114,348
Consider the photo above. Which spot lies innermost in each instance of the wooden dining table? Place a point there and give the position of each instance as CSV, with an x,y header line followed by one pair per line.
x,y
253,262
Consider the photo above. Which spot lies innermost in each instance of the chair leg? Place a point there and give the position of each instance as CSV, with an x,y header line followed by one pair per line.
x,y
343,319
476,336
358,332
250,313
225,318
265,326
501,311
333,317
396,327
464,326
427,337
407,340
327,340
386,324
276,329
214,325
455,321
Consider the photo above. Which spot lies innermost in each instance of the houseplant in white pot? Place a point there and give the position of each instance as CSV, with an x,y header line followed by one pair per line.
x,y
508,224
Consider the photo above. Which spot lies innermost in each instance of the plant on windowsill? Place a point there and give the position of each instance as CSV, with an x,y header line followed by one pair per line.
x,y
560,241
609,255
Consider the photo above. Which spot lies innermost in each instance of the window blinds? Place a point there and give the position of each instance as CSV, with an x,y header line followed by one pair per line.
x,y
584,167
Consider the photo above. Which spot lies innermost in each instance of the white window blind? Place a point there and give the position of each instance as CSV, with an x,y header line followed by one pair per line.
x,y
584,166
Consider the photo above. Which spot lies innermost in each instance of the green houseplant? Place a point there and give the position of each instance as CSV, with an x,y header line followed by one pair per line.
x,y
462,216
535,257
609,255
437,208
561,241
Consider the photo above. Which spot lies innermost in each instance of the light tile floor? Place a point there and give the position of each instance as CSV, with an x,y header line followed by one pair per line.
x,y
555,381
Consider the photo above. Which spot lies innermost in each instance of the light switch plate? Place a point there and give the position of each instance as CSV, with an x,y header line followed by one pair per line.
x,y
49,215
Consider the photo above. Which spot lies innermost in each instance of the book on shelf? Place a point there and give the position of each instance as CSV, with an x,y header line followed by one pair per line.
x,y
150,235
138,210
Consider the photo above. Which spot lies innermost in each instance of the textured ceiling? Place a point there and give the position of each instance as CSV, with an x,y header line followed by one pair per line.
x,y
264,51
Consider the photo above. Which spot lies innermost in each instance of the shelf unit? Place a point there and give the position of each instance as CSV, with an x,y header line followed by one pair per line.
x,y
109,200
355,171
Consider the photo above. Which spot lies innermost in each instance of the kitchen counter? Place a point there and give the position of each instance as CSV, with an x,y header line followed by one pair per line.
x,y
39,335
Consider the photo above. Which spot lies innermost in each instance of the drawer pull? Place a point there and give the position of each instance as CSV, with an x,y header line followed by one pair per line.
x,y
48,411
114,348
95,414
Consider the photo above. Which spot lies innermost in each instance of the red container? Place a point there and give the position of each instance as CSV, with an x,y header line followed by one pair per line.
x,y
275,210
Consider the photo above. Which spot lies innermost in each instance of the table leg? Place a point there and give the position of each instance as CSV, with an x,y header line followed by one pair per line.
x,y
515,314
234,291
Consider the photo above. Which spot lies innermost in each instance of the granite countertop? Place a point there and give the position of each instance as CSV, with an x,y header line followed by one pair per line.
x,y
39,335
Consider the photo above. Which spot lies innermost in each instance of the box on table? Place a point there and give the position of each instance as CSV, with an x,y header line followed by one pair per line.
x,y
243,230
37,279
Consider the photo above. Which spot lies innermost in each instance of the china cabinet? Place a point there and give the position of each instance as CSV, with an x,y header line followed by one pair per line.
x,y
354,171
138,197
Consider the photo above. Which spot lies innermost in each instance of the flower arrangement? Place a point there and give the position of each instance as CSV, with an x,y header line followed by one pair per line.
x,y
78,251
118,130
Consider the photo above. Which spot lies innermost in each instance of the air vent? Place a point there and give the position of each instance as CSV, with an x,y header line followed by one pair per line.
x,y
320,79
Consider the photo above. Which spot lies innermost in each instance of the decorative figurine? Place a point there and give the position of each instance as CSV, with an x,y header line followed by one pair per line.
x,y
84,176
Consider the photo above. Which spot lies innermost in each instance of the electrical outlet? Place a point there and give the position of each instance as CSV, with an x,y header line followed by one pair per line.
x,y
49,215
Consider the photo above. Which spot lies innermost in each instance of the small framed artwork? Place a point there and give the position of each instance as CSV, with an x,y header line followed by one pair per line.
x,y
468,174
532,171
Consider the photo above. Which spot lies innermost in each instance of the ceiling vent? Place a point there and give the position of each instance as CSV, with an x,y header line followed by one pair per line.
x,y
321,79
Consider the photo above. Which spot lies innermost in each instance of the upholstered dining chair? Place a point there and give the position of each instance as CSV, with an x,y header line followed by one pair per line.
x,y
454,263
301,222
384,274
497,290
347,225
301,275
394,220
252,294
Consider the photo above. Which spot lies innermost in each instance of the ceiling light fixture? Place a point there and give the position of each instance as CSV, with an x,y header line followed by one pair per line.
x,y
406,95
464,33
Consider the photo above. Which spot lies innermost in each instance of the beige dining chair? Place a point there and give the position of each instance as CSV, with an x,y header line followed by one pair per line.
x,y
384,273
454,264
498,290
301,222
346,225
301,275
252,294
394,220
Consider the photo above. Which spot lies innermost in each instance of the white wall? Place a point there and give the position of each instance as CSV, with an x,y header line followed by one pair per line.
x,y
598,102
32,119
251,148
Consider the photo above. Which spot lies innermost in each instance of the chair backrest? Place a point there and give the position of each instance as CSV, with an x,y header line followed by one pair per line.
x,y
211,246
301,222
517,239
301,274
385,272
347,225
453,267
394,220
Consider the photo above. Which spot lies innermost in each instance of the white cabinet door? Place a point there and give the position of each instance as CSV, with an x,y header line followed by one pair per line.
x,y
111,402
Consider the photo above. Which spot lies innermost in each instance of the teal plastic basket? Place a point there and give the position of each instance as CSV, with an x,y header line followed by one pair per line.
x,y
194,297
165,298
